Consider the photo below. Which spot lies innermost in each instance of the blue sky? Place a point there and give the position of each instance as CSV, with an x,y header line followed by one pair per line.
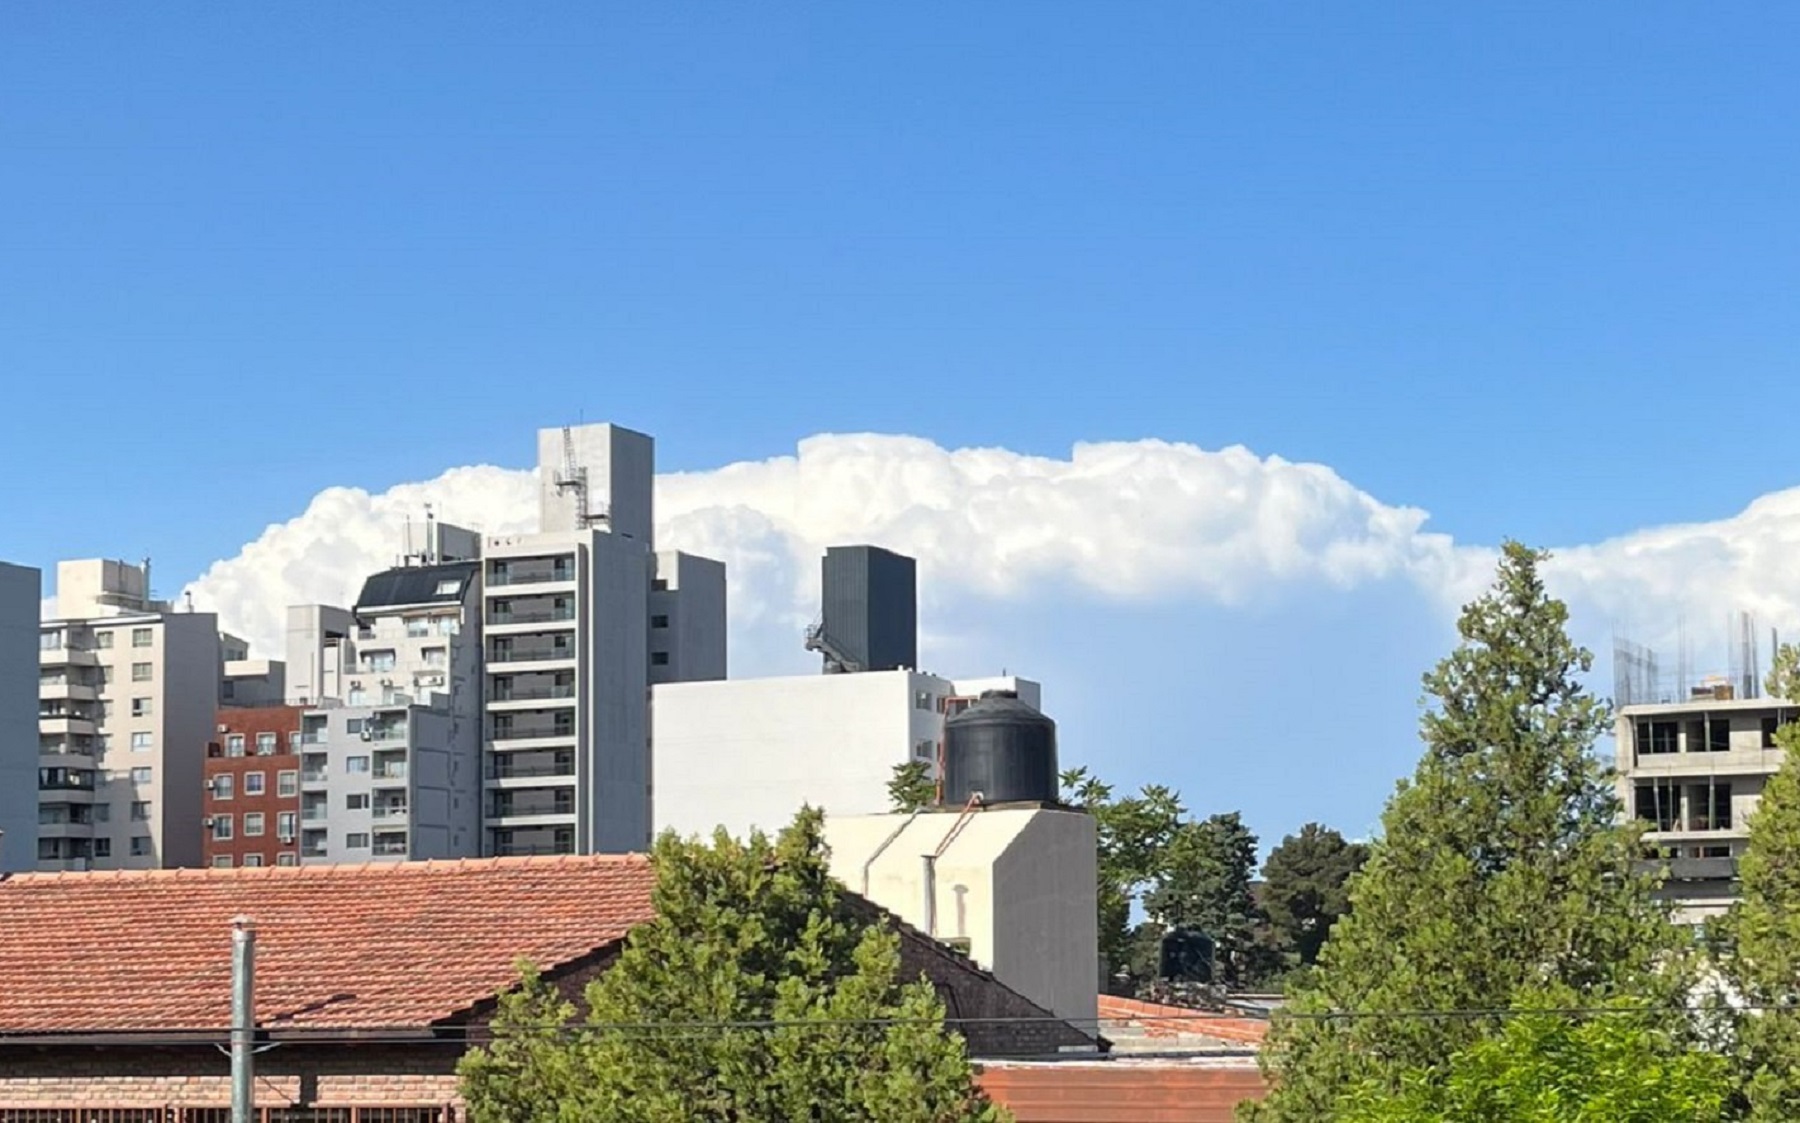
x,y
1530,268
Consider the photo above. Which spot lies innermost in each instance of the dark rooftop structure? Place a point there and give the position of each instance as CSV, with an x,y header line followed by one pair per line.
x,y
870,617
408,586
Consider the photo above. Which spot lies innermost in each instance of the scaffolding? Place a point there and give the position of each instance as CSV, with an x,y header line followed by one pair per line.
x,y
1644,676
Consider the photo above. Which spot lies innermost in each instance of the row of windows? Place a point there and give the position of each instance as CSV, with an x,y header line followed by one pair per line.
x,y
82,814
140,637
287,783
251,861
59,849
1652,738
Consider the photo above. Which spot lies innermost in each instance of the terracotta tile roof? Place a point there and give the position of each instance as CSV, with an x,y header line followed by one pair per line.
x,y
341,947
1169,1021
1124,1091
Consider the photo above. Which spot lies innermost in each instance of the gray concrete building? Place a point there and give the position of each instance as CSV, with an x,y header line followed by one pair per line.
x,y
128,692
21,592
390,753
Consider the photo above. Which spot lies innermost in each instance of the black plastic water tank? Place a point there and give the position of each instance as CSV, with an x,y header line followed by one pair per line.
x,y
1003,749
1187,956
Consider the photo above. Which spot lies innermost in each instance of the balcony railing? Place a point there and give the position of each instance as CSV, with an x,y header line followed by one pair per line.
x,y
534,693
313,738
313,776
531,616
531,731
533,575
314,814
524,771
390,811
521,850
396,771
390,847
513,810
530,654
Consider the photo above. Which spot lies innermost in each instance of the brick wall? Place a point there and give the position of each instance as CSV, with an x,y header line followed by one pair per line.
x,y
996,1020
200,1076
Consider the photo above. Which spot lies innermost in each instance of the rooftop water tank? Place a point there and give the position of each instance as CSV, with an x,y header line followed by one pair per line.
x,y
1002,748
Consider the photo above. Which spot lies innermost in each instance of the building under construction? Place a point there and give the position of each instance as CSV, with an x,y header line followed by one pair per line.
x,y
1694,750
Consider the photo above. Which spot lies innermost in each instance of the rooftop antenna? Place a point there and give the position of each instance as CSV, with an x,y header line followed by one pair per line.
x,y
573,477
430,538
188,597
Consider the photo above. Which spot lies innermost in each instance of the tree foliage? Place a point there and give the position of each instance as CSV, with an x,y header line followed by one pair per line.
x,y
1306,886
1621,1066
1762,932
1502,870
756,994
912,786
1133,834
1205,882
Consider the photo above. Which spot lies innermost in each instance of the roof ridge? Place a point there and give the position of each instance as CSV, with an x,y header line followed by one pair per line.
x,y
367,867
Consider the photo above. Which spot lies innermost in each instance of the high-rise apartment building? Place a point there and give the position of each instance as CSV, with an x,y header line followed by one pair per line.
x,y
578,620
20,593
390,722
127,697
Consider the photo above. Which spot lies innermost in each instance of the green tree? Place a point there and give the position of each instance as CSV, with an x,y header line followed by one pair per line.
x,y
1133,832
1306,887
1621,1066
1205,883
756,995
912,787
1502,869
1761,935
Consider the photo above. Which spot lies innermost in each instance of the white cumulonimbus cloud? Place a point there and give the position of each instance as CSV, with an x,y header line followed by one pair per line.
x,y
1137,520
1140,519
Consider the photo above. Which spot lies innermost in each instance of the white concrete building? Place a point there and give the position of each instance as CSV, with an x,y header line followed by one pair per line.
x,y
579,619
128,692
1693,773
20,595
747,753
246,682
1013,887
390,764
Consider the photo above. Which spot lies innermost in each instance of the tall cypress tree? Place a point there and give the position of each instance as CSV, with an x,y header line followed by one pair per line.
x,y
1502,870
1762,932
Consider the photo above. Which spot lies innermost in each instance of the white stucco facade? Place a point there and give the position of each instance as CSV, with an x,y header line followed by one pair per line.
x,y
749,753
1015,887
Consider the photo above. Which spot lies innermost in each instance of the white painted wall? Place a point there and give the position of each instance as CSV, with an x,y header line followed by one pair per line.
x,y
621,469
1018,884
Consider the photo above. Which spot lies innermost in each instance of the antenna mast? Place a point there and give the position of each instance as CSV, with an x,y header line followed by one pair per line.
x,y
573,477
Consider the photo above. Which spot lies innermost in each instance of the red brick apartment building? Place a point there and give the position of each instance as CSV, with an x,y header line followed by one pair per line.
x,y
371,978
251,810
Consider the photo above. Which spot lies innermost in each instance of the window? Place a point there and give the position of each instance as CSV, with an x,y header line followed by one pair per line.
x,y
356,764
140,775
356,801
1656,737
661,584
221,825
1710,806
140,846
140,811
142,742
378,660
434,656
102,812
354,725
251,860
142,672
1771,726
103,848
287,859
659,658
356,697
1656,804
253,783
141,707
1718,735
103,641
106,676
923,701
659,621
287,783
222,786
143,637
418,628
266,744
284,825
356,841
447,625
221,861
253,824
449,587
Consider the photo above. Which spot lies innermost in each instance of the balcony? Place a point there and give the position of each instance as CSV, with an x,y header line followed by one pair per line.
x,y
314,775
391,772
517,573
314,737
68,691
390,812
529,849
317,813
504,769
499,656
385,732
497,618
531,693
68,657
65,723
389,846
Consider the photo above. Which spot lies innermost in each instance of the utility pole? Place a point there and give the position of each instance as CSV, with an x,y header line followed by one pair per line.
x,y
243,1015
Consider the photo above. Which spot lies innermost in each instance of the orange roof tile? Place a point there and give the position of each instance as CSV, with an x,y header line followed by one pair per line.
x,y
378,946
1167,1021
